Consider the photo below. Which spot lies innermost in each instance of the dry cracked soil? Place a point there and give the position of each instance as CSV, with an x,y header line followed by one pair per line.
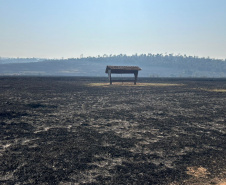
x,y
64,130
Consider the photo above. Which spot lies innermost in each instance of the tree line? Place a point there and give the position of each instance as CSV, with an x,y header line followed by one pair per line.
x,y
159,65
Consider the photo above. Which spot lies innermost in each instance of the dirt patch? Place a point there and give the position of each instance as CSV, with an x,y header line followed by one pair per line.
x,y
222,182
132,84
197,171
218,90
215,90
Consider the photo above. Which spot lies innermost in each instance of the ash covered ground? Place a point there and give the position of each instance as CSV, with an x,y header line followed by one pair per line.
x,y
57,130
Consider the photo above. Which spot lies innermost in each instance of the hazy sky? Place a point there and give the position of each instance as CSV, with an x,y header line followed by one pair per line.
x,y
69,28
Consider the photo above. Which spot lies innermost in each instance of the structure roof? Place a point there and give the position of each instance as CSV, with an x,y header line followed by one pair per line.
x,y
122,69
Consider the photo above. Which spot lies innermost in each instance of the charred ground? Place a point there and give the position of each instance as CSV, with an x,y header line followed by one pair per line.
x,y
61,130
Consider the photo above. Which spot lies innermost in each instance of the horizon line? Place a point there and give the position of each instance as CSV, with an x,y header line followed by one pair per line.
x,y
113,55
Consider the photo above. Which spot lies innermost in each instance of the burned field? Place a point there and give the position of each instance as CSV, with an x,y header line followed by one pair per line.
x,y
67,130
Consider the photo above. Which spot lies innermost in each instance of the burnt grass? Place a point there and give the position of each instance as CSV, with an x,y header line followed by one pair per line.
x,y
59,130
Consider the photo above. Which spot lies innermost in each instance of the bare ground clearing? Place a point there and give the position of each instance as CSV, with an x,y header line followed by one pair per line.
x,y
64,130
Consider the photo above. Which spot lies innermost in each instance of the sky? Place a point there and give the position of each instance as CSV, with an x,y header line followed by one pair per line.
x,y
71,28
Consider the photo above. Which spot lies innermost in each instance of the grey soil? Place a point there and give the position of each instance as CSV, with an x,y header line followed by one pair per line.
x,y
62,131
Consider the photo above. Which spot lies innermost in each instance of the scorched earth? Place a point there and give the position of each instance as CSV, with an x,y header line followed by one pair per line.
x,y
71,130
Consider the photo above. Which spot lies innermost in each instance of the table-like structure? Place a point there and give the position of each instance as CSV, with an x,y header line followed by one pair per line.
x,y
122,70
